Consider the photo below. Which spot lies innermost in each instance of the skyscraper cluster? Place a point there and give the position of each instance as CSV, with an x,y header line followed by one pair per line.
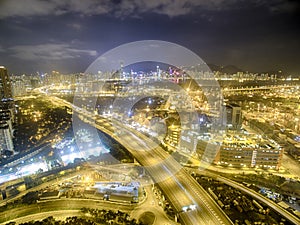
x,y
6,114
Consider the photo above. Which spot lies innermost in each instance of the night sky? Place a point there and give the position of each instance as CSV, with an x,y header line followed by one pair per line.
x,y
68,35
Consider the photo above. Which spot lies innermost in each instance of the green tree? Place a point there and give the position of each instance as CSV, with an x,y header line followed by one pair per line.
x,y
30,198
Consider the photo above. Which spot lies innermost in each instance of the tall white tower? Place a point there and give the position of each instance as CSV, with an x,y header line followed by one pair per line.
x,y
158,72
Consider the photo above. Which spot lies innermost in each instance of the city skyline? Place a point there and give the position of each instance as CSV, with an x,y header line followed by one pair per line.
x,y
67,36
149,112
57,136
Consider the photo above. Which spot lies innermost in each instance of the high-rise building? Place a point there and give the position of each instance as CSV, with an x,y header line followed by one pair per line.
x,y
6,97
158,72
122,70
261,156
233,116
5,85
6,113
173,135
241,151
6,143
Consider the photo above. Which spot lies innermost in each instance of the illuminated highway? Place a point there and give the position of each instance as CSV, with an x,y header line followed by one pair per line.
x,y
258,88
37,210
161,92
189,200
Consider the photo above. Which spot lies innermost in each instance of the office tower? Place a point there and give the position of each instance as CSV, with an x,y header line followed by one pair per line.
x,y
6,113
233,116
158,72
6,143
122,70
5,85
6,99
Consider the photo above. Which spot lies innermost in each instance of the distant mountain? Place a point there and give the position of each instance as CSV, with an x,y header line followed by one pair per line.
x,y
230,69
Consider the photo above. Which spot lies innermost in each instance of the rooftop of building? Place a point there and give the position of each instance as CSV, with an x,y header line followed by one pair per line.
x,y
249,141
233,105
117,186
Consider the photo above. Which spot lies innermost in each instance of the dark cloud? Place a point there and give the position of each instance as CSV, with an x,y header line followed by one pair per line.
x,y
284,6
49,52
16,8
171,8
70,33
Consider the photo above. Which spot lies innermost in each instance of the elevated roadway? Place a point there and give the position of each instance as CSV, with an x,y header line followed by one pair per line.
x,y
178,186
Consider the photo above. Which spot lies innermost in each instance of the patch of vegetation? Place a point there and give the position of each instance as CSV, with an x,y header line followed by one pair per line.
x,y
147,218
